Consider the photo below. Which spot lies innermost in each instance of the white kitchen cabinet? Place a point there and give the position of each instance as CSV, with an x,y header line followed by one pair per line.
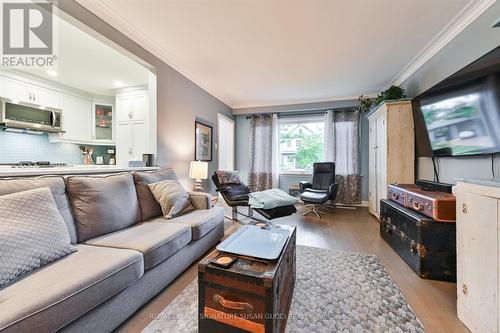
x,y
131,141
123,109
26,92
477,256
134,132
76,120
132,107
139,136
45,97
14,89
391,150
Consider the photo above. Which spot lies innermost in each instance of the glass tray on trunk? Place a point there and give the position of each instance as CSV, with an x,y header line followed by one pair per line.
x,y
256,242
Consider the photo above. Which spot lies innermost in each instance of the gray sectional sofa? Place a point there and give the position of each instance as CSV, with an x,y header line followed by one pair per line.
x,y
127,252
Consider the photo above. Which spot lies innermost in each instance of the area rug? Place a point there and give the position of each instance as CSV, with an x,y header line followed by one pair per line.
x,y
335,292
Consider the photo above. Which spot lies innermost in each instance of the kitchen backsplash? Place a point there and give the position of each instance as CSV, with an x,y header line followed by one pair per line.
x,y
16,147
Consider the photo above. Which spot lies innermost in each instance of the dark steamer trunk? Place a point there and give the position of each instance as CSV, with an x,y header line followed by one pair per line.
x,y
427,246
252,295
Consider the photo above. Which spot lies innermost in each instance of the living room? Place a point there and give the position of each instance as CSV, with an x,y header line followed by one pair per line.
x,y
249,166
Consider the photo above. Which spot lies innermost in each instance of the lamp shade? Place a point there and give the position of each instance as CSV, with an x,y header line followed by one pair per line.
x,y
198,170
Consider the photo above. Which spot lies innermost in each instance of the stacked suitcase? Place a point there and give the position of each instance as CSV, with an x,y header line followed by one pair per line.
x,y
419,224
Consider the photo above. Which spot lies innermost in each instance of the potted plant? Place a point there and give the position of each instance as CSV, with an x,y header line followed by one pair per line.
x,y
393,92
365,104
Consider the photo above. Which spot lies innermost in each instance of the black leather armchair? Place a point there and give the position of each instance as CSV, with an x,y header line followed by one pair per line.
x,y
322,188
236,195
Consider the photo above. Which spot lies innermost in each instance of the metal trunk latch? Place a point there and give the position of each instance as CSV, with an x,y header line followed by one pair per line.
x,y
422,251
413,247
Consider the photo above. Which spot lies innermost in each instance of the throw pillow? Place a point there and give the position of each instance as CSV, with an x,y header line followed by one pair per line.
x,y
172,197
228,177
32,233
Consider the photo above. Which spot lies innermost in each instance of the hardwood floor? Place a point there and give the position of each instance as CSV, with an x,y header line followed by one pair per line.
x,y
434,302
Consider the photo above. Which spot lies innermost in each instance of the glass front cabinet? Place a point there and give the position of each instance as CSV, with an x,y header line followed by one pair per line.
x,y
103,122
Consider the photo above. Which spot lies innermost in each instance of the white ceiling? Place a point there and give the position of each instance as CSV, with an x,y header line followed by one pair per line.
x,y
262,52
87,64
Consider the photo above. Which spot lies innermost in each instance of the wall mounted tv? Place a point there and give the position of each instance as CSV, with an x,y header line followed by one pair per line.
x,y
460,116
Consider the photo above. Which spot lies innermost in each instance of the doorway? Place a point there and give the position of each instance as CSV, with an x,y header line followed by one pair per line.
x,y
225,136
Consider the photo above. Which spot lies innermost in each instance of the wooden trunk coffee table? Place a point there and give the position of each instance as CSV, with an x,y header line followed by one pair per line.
x,y
251,295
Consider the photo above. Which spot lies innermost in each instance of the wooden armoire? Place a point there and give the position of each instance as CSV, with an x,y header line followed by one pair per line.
x,y
391,149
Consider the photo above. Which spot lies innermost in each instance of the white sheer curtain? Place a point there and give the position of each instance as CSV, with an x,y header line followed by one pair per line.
x,y
341,146
275,152
328,148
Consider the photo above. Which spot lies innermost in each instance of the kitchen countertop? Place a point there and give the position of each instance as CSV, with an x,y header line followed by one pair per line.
x,y
74,170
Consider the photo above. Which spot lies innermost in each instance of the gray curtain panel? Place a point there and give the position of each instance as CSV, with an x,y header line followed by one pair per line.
x,y
261,147
346,156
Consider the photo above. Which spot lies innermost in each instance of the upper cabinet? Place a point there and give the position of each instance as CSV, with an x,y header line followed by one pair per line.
x,y
26,92
132,106
76,120
45,97
103,122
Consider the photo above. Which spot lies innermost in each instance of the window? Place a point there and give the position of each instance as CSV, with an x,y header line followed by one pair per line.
x,y
301,144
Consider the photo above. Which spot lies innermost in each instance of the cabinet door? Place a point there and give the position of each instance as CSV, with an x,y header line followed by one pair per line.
x,y
139,135
15,90
372,188
103,122
381,160
77,118
45,97
123,143
139,107
123,109
477,261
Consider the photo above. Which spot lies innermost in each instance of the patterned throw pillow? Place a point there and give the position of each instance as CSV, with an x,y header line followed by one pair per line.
x,y
32,233
228,177
172,197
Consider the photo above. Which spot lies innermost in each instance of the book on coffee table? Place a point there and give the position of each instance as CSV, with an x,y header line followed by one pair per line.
x,y
257,242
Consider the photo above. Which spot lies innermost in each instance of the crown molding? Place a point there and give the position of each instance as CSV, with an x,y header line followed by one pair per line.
x,y
241,108
127,28
461,21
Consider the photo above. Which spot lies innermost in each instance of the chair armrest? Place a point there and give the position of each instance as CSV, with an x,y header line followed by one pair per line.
x,y
333,191
200,200
303,185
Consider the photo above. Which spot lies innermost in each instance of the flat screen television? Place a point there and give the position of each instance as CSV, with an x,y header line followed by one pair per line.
x,y
464,120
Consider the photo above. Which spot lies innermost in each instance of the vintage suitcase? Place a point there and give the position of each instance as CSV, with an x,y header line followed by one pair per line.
x,y
427,246
440,206
397,192
251,295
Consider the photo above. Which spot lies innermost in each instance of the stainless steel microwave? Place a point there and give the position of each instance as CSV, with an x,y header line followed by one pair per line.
x,y
21,115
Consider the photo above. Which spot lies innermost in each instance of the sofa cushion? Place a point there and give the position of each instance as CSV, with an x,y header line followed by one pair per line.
x,y
201,221
156,241
58,189
55,295
149,206
172,197
32,233
103,204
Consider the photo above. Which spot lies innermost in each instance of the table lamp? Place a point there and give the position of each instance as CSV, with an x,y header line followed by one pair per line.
x,y
198,170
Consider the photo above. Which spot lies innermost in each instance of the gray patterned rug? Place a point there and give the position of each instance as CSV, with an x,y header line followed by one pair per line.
x,y
335,292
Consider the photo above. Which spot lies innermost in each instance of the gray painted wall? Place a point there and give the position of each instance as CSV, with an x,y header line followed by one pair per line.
x,y
179,101
243,130
475,41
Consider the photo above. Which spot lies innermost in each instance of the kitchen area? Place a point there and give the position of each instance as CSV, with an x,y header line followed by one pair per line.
x,y
94,112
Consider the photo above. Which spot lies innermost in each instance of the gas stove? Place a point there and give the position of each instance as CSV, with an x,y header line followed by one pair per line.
x,y
40,164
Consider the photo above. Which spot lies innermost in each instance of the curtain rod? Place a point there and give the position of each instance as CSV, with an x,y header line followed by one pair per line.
x,y
293,114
